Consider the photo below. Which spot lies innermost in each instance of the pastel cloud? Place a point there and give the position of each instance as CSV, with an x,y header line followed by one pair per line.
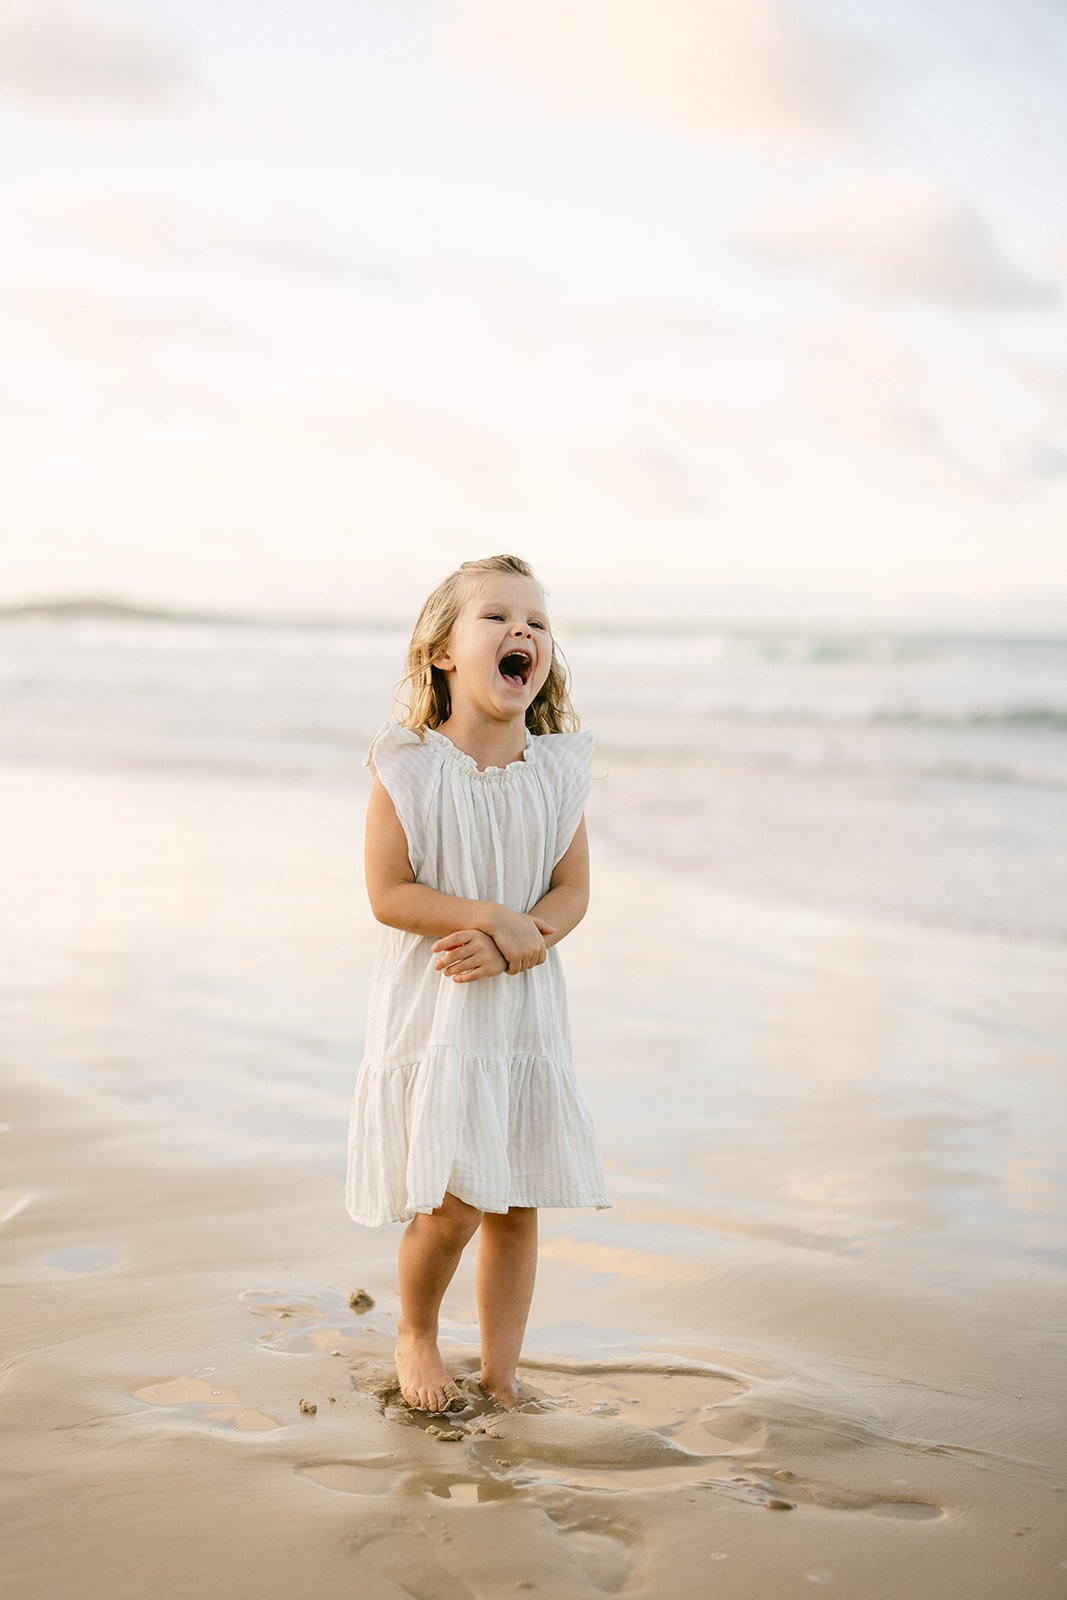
x,y
642,475
890,238
960,430
755,72
156,234
71,55
111,336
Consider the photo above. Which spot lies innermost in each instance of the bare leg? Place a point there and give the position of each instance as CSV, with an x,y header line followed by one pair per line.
x,y
507,1265
430,1248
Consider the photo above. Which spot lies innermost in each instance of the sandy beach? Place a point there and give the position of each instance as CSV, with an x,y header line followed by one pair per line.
x,y
819,1343
713,358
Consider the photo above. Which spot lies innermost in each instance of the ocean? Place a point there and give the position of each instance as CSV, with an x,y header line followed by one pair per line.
x,y
917,776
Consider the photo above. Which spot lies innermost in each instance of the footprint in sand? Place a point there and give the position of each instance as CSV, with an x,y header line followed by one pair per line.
x,y
618,1425
455,1560
589,1432
280,1303
370,1475
569,1430
306,1322
606,1557
202,1402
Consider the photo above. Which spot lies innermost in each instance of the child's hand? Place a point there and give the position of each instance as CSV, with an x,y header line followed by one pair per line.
x,y
520,938
468,954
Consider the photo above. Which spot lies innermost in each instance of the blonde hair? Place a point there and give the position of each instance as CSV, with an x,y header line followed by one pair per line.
x,y
430,701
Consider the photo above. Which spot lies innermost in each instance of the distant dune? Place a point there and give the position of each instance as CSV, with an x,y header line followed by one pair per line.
x,y
121,610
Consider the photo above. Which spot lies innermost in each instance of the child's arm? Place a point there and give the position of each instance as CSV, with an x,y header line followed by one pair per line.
x,y
557,913
567,899
397,900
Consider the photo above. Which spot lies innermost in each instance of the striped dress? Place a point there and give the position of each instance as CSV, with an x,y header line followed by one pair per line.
x,y
469,1087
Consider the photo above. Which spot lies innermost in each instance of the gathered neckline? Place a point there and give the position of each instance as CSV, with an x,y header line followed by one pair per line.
x,y
464,759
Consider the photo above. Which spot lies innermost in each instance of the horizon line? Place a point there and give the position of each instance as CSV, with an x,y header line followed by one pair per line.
x,y
115,609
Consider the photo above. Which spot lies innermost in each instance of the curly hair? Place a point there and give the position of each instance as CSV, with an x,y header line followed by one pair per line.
x,y
430,701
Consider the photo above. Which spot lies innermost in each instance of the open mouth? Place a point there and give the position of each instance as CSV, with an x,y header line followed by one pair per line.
x,y
516,666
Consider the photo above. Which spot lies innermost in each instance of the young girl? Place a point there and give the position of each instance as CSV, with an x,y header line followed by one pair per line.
x,y
466,1112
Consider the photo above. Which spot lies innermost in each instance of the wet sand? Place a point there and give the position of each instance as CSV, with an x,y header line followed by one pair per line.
x,y
819,1344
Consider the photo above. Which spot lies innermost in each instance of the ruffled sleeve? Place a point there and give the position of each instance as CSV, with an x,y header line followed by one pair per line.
x,y
573,755
406,767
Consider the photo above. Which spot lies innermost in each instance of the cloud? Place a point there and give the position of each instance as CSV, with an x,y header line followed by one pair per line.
x,y
113,337
165,235
754,72
891,239
373,424
680,324
1043,388
948,425
859,385
643,475
71,55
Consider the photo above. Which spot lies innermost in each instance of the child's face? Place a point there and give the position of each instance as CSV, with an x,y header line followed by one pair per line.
x,y
506,613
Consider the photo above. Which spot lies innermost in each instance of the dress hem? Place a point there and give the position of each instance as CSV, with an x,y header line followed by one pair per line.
x,y
602,1204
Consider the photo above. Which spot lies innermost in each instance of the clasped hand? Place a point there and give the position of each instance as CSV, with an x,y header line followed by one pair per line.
x,y
515,945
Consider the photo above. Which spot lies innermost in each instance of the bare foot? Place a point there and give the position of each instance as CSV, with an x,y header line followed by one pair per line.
x,y
420,1372
506,1393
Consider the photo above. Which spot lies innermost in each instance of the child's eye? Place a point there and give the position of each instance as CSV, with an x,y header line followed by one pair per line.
x,y
495,616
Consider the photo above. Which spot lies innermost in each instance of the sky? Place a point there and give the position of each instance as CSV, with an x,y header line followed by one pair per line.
x,y
746,310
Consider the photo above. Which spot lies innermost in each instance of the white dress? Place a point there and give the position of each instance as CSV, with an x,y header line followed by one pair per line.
x,y
469,1087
